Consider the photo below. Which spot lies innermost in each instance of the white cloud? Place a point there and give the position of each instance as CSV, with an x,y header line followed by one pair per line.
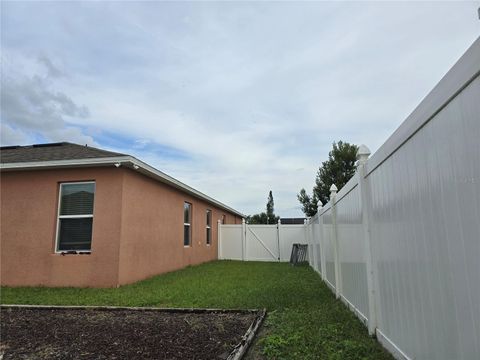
x,y
251,95
32,106
11,136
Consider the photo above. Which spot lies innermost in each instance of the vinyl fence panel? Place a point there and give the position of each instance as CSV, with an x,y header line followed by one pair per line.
x,y
329,247
310,242
407,227
315,247
426,217
289,235
352,250
230,242
259,242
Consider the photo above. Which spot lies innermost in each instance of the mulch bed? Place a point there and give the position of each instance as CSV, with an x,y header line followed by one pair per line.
x,y
119,333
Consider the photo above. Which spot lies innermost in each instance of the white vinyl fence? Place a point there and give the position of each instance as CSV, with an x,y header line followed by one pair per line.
x,y
259,242
400,242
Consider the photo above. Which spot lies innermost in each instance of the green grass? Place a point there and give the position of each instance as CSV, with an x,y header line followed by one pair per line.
x,y
305,321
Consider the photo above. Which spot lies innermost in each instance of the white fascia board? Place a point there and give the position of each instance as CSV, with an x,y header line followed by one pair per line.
x,y
143,168
161,176
63,163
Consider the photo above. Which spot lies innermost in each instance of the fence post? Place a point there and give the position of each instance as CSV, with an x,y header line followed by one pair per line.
x,y
320,241
244,235
278,239
338,275
219,239
362,155
308,240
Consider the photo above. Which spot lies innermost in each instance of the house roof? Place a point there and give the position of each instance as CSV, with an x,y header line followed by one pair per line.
x,y
69,155
52,151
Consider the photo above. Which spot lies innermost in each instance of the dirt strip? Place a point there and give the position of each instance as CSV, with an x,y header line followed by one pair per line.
x,y
48,332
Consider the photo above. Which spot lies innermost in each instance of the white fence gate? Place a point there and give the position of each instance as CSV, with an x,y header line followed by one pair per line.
x,y
258,242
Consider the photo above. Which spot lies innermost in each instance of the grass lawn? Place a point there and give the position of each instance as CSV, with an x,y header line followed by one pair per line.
x,y
305,321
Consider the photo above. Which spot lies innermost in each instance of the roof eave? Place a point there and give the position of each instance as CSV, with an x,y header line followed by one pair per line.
x,y
52,164
129,161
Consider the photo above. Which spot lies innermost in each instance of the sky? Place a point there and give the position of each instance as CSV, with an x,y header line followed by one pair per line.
x,y
233,98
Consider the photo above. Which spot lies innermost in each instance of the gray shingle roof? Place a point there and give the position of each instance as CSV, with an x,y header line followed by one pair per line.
x,y
40,156
52,151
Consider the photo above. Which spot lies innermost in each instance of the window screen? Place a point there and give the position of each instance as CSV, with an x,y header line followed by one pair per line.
x,y
187,229
75,216
209,227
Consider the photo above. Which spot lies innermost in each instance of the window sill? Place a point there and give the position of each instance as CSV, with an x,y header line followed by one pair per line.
x,y
69,253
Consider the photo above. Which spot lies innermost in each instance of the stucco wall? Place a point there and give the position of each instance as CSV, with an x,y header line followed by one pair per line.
x,y
152,229
137,229
28,228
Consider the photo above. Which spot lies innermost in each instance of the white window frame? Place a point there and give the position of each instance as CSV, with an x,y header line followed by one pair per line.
x,y
208,226
189,224
57,251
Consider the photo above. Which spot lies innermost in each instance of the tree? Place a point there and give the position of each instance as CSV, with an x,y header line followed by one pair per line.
x,y
265,217
270,209
257,218
338,169
308,202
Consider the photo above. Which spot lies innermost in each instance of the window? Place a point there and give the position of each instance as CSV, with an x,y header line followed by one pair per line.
x,y
187,228
75,216
208,227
